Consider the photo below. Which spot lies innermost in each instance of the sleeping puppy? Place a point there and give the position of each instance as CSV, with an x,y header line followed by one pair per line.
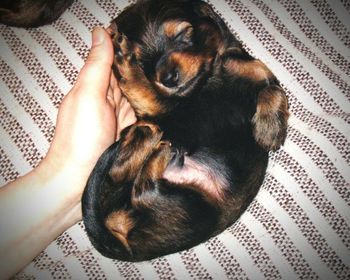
x,y
208,114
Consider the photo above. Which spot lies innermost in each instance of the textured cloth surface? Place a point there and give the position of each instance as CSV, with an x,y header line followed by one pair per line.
x,y
299,224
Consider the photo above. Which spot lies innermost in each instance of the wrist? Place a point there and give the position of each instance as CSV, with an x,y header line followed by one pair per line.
x,y
34,210
63,185
69,173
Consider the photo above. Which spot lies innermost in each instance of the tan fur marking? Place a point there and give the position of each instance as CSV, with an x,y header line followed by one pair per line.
x,y
173,27
135,150
142,97
270,119
271,102
189,64
254,70
138,90
153,169
137,51
158,161
134,84
119,224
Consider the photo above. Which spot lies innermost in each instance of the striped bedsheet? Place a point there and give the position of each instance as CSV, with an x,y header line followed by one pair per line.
x,y
299,224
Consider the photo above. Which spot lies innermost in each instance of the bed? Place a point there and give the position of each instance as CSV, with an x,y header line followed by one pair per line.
x,y
298,227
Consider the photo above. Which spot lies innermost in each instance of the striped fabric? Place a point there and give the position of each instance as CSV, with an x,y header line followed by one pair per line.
x,y
299,224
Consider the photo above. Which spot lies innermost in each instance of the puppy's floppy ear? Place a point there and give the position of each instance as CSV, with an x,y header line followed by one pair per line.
x,y
270,119
204,10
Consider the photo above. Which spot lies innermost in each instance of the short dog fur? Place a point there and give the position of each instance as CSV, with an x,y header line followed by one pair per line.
x,y
208,114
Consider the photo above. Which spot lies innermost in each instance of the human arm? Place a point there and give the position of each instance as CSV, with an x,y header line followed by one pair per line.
x,y
37,207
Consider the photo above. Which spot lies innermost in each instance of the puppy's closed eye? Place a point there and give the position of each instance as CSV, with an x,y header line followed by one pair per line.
x,y
176,30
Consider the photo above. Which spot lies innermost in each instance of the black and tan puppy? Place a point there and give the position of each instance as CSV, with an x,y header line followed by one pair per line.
x,y
208,113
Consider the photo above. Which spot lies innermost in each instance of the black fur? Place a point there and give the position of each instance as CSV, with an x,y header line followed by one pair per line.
x,y
209,121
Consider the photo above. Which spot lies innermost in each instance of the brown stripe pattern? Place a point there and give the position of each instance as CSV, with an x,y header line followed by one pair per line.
x,y
298,227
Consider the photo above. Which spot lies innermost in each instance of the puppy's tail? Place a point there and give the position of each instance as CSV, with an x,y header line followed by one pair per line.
x,y
31,13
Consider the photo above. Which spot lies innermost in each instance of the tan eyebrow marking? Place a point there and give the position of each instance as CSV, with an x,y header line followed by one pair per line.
x,y
174,27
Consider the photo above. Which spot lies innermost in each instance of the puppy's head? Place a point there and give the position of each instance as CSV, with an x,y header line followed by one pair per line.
x,y
175,42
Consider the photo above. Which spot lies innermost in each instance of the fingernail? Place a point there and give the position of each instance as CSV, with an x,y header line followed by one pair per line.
x,y
97,36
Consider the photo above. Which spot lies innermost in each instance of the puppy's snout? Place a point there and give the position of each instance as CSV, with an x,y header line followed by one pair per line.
x,y
167,72
170,78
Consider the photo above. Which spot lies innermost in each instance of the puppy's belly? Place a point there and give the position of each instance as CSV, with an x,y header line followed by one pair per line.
x,y
212,183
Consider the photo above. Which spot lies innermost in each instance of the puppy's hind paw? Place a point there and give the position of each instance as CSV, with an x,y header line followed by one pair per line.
x,y
177,157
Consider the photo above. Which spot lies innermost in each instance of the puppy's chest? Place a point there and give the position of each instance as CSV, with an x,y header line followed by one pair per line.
x,y
182,130
201,123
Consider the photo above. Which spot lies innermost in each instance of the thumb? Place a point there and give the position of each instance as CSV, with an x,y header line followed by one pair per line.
x,y
96,72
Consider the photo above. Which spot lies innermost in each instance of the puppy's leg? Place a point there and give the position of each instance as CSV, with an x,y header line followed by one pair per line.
x,y
132,80
271,116
137,143
270,119
152,171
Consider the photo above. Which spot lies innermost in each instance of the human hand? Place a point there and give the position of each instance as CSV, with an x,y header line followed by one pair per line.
x,y
90,117
46,201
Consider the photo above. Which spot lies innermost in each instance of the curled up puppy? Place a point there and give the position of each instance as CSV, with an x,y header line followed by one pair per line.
x,y
208,114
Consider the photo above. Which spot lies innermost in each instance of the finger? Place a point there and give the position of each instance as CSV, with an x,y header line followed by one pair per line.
x,y
112,28
94,77
117,94
110,97
113,81
125,114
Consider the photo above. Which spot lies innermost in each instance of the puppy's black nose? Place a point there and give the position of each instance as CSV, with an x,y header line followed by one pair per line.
x,y
170,79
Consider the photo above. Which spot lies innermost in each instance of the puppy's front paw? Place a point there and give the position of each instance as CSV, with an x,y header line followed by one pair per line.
x,y
124,58
132,80
270,119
